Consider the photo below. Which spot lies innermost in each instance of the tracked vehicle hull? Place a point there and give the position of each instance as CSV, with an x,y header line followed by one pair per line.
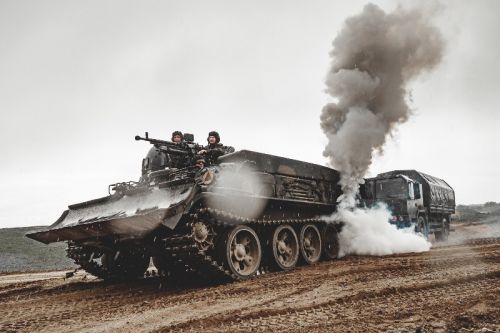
x,y
250,214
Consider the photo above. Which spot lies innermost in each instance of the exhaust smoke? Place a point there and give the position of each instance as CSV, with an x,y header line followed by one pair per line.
x,y
367,232
374,57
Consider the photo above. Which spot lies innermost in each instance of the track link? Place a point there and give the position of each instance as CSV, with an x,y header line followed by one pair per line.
x,y
84,258
183,250
184,255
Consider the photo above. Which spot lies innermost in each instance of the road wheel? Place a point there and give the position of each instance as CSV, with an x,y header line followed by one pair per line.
x,y
310,244
330,238
422,226
285,246
243,251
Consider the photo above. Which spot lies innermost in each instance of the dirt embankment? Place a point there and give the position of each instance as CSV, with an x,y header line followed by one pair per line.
x,y
454,287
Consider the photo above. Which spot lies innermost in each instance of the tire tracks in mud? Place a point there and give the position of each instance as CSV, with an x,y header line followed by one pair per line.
x,y
378,291
332,296
422,267
331,313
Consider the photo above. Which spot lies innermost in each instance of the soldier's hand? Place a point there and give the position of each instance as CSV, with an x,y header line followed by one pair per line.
x,y
203,151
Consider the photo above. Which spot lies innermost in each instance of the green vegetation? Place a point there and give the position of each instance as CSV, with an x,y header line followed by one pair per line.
x,y
489,211
19,253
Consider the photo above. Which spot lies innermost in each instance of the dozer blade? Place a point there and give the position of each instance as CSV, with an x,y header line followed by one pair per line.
x,y
131,215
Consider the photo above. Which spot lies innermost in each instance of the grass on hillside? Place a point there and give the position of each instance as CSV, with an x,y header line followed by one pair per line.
x,y
19,253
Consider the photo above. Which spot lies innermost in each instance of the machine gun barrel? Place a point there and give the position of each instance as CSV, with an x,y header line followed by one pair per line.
x,y
167,146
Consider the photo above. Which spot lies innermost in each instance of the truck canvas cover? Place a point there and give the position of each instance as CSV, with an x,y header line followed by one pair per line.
x,y
438,195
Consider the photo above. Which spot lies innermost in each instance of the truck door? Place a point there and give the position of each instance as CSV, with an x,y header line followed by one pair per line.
x,y
413,193
416,201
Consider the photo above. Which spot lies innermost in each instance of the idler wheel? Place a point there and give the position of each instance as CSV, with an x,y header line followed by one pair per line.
x,y
310,244
243,251
285,245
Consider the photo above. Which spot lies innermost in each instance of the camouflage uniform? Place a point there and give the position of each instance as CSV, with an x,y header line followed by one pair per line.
x,y
216,150
213,151
178,161
175,160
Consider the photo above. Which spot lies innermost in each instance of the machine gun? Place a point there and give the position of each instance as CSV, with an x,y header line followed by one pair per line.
x,y
168,147
178,155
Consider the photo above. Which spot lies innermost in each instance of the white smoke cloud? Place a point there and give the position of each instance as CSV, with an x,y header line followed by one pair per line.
x,y
374,57
367,232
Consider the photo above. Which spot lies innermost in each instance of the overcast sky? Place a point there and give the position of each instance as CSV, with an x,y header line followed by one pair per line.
x,y
78,79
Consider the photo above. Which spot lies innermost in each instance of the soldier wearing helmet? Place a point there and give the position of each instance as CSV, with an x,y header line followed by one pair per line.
x,y
200,162
177,137
214,149
178,161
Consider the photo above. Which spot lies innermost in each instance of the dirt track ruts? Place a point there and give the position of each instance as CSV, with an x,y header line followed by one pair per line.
x,y
451,288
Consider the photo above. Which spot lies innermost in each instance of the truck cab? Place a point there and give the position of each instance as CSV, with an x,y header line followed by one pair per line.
x,y
413,197
401,194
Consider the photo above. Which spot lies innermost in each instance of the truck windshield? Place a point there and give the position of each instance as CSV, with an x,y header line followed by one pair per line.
x,y
395,188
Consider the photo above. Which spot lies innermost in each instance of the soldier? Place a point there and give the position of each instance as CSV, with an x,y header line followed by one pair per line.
x,y
177,137
214,149
177,161
202,175
200,163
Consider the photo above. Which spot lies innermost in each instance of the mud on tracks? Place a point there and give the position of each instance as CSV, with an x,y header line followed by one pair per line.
x,y
451,288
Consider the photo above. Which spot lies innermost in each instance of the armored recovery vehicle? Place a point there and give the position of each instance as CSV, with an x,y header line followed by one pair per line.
x,y
414,197
249,213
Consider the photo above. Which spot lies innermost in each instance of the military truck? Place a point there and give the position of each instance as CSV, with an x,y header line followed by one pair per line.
x,y
248,214
414,198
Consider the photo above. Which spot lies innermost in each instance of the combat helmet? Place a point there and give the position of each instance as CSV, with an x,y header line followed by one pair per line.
x,y
214,134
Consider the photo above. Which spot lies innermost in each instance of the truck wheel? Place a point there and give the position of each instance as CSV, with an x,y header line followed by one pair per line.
x,y
243,251
310,244
330,238
422,226
285,245
442,235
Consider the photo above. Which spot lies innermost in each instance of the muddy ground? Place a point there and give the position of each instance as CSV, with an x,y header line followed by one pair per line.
x,y
454,287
